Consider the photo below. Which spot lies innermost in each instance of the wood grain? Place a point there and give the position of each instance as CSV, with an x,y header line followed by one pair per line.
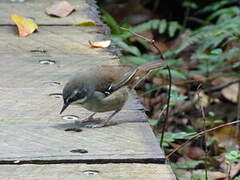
x,y
87,171
53,40
35,10
56,143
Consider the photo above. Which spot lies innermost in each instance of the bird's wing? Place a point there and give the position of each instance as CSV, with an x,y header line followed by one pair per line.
x,y
116,76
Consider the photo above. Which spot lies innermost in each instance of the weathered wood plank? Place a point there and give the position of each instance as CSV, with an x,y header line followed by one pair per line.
x,y
34,105
35,9
27,72
52,40
87,171
52,143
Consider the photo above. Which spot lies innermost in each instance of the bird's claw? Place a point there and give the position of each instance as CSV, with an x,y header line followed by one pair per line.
x,y
86,120
99,125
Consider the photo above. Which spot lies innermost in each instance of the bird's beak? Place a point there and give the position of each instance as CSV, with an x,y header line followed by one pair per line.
x,y
64,107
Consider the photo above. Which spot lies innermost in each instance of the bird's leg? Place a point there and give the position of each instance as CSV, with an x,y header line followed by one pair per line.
x,y
104,123
89,118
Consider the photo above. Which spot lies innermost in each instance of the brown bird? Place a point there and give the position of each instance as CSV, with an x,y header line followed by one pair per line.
x,y
104,88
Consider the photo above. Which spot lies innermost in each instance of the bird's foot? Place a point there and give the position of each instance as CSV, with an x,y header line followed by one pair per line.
x,y
98,125
89,118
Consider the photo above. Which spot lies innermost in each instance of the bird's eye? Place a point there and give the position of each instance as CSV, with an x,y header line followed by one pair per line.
x,y
80,95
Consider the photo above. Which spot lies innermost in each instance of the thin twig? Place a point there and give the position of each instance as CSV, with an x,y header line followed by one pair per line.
x,y
238,112
200,134
229,171
146,39
153,42
204,126
205,135
205,140
221,86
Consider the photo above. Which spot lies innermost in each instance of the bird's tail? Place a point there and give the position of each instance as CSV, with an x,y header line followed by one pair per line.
x,y
142,72
139,73
149,66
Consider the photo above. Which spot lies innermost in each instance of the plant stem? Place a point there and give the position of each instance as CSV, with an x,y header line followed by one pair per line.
x,y
152,41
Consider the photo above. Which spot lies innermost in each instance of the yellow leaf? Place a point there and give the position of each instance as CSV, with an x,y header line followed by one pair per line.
x,y
25,26
100,44
87,23
202,98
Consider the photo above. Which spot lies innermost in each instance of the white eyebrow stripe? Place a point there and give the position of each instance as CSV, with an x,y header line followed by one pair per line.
x,y
81,100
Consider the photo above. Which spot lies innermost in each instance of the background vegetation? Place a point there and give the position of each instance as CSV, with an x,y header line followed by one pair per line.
x,y
200,41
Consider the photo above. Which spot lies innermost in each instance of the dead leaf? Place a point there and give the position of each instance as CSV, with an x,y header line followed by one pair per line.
x,y
25,26
199,78
231,92
100,44
60,9
235,169
226,137
201,98
195,153
87,23
157,80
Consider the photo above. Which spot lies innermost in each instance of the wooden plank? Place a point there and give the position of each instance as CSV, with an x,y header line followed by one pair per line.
x,y
87,171
35,9
53,40
27,72
58,143
34,105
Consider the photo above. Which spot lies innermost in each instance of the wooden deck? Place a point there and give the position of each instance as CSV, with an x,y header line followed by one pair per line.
x,y
35,141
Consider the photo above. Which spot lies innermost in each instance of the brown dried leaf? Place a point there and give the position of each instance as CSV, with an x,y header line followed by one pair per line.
x,y
231,92
235,170
201,98
199,78
195,153
226,137
60,9
157,80
100,44
25,26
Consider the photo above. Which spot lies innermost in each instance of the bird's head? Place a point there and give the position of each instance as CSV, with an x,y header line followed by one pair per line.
x,y
74,92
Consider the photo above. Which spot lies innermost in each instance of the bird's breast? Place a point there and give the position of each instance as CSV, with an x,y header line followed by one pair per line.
x,y
99,102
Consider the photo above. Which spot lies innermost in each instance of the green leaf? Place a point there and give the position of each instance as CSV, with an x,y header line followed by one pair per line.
x,y
131,49
162,26
211,114
155,24
237,178
87,23
139,60
173,27
217,51
171,137
186,164
111,22
190,4
178,74
153,122
233,155
236,64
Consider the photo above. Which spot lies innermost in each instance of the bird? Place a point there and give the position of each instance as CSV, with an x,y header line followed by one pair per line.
x,y
103,88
